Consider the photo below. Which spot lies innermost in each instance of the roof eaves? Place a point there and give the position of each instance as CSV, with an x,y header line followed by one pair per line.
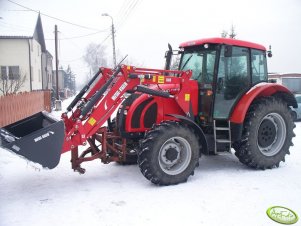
x,y
15,37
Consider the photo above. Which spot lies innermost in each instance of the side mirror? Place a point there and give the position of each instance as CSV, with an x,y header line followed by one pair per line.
x,y
168,56
270,52
228,51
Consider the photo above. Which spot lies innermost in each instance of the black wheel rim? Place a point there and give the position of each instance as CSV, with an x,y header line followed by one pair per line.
x,y
271,134
175,155
266,133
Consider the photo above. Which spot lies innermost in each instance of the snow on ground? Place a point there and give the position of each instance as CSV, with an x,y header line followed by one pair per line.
x,y
222,192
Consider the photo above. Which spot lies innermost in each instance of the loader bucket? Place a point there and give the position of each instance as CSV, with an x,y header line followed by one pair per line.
x,y
39,138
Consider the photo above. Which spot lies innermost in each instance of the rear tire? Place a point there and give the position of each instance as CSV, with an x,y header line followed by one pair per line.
x,y
169,153
267,134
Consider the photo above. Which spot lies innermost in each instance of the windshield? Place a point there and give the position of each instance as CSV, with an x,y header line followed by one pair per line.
x,y
201,62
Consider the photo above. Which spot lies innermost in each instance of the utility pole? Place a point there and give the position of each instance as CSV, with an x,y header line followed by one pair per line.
x,y
56,63
58,102
113,37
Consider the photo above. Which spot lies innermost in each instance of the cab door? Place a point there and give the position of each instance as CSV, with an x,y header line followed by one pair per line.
x,y
202,61
233,79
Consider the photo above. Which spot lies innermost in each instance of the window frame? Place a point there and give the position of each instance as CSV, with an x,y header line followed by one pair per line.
x,y
4,77
11,72
196,49
265,67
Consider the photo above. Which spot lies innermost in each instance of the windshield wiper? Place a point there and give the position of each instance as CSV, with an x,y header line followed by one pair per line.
x,y
186,62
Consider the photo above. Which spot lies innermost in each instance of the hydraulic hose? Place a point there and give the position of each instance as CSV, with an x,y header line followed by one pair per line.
x,y
94,99
144,89
82,92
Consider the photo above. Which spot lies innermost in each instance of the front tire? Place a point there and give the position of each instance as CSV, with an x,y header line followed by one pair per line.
x,y
267,134
169,153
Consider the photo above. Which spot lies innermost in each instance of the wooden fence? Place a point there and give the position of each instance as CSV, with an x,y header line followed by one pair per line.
x,y
18,106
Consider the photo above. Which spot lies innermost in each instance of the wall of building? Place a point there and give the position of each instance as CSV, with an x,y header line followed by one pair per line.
x,y
36,64
49,70
44,68
14,52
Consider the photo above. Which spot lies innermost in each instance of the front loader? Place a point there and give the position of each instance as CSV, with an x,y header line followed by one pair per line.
x,y
218,99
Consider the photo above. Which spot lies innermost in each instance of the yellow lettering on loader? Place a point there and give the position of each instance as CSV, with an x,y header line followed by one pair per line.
x,y
161,79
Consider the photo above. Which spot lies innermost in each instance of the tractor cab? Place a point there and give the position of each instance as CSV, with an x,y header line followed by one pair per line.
x,y
225,69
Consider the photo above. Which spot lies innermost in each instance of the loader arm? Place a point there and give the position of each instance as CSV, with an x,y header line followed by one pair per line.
x,y
42,139
108,93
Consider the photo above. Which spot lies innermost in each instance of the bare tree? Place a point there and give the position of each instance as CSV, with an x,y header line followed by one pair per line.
x,y
11,85
131,61
95,56
128,60
231,34
224,34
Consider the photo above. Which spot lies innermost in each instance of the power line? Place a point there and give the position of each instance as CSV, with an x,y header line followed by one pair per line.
x,y
16,26
89,52
123,10
98,46
130,7
55,18
9,27
68,61
80,36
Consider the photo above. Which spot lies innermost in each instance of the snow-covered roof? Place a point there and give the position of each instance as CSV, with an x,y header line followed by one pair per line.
x,y
284,75
20,25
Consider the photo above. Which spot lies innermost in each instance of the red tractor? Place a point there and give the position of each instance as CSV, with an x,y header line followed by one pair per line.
x,y
218,99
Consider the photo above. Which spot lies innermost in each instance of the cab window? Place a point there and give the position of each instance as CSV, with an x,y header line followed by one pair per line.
x,y
201,62
258,64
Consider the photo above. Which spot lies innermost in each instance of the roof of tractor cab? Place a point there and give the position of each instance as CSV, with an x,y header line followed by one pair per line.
x,y
227,41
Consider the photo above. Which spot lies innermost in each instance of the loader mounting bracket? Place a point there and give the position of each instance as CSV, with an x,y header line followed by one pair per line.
x,y
113,148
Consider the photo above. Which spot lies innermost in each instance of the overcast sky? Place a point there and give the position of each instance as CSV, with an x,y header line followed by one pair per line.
x,y
144,27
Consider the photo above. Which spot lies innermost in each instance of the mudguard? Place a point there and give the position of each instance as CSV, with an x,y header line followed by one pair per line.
x,y
196,128
261,89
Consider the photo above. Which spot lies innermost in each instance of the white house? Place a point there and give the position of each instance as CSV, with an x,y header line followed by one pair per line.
x,y
291,80
47,73
23,54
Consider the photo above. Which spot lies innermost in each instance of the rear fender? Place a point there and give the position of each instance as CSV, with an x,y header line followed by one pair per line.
x,y
262,89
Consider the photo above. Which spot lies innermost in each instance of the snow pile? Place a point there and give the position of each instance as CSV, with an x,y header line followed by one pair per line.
x,y
222,192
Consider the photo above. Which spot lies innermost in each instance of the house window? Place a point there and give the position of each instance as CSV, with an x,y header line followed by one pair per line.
x,y
3,73
13,72
10,72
